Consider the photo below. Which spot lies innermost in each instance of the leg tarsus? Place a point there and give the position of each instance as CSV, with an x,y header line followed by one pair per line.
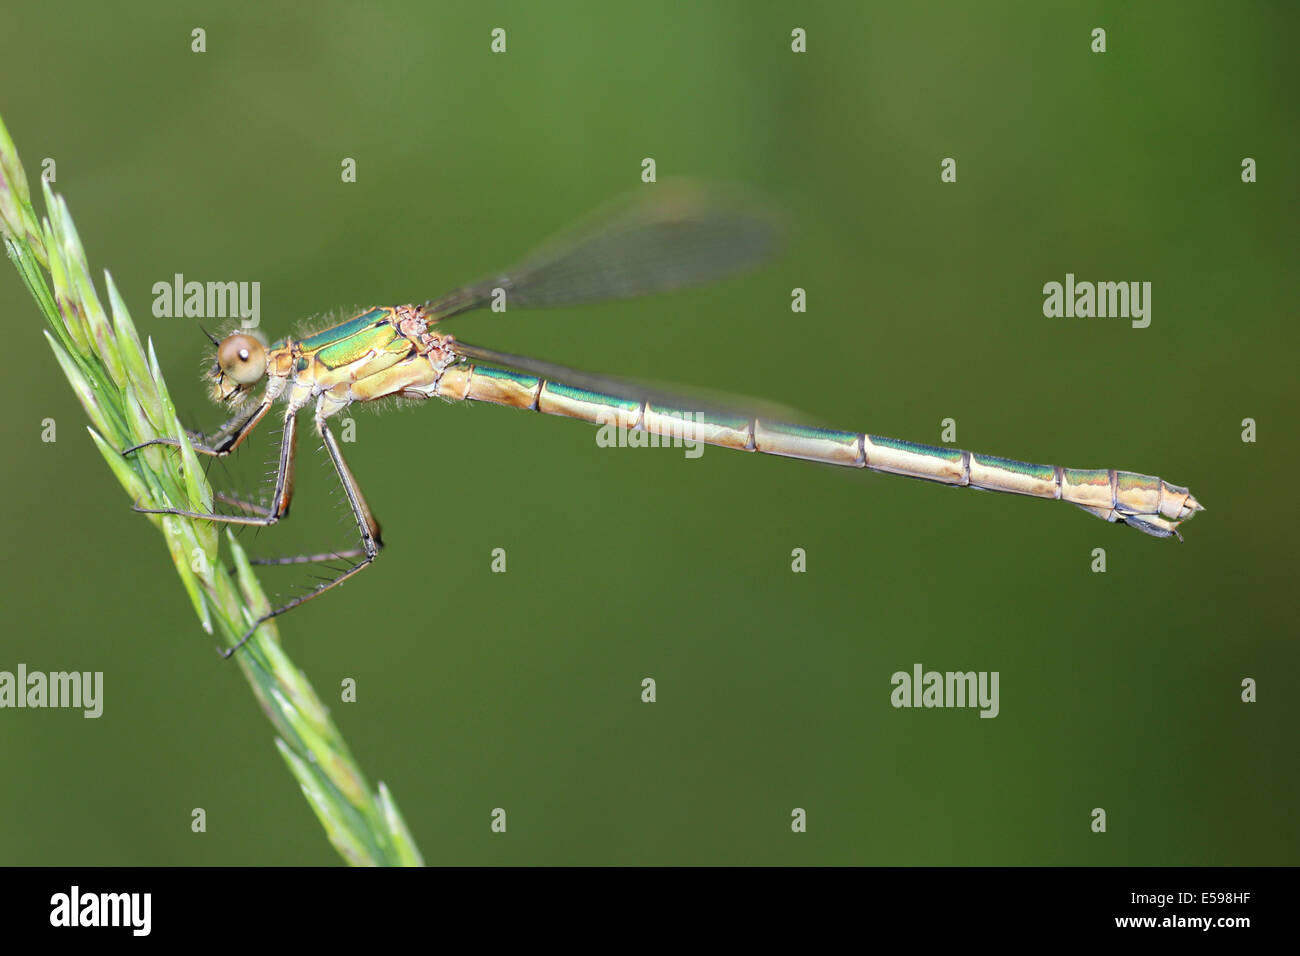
x,y
225,440
309,558
241,504
290,605
268,519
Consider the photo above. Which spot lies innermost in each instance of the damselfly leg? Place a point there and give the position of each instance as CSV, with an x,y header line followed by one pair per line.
x,y
366,525
221,442
257,515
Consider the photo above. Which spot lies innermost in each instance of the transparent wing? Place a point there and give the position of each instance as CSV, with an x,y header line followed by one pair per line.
x,y
667,236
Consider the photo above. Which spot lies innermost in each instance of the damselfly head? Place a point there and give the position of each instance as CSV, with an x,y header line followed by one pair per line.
x,y
240,364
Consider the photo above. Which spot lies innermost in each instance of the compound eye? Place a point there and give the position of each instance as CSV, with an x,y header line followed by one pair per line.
x,y
242,358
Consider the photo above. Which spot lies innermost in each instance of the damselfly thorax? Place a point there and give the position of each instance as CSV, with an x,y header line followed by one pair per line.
x,y
383,352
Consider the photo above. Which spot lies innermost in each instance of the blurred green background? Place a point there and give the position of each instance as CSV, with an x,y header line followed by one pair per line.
x,y
477,690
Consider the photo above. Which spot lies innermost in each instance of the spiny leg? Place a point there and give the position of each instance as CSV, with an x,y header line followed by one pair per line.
x,y
309,558
222,442
366,524
320,558
241,503
281,497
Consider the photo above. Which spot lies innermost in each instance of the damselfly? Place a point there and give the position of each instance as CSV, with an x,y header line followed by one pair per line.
x,y
676,236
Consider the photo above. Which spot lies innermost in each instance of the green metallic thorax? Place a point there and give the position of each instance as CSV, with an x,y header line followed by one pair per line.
x,y
359,348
